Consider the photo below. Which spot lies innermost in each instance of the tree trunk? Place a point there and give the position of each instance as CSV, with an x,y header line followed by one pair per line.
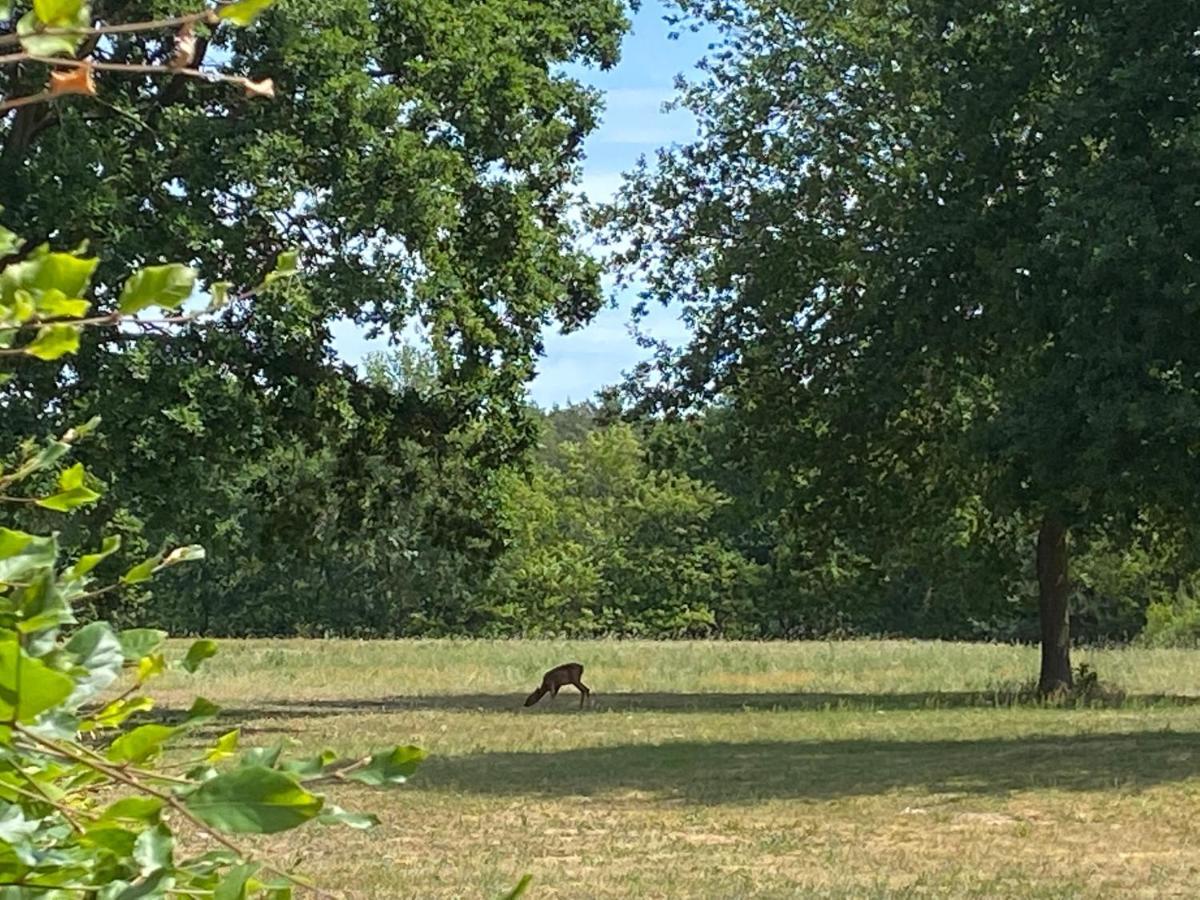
x,y
1053,588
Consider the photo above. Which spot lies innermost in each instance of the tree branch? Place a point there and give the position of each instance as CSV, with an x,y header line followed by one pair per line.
x,y
208,17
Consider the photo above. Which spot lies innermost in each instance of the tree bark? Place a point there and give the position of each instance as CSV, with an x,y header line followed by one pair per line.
x,y
1055,617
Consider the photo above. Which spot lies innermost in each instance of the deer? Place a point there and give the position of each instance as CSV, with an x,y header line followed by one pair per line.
x,y
559,676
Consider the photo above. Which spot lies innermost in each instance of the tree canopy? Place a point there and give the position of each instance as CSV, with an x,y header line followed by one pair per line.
x,y
421,181
942,256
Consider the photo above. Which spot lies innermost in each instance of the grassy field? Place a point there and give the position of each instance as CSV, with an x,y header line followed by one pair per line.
x,y
863,769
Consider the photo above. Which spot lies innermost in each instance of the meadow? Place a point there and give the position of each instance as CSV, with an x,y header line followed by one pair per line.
x,y
855,769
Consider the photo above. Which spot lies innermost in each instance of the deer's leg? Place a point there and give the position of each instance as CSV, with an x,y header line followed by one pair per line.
x,y
554,691
583,692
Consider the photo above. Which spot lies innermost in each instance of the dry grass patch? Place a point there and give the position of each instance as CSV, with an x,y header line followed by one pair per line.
x,y
718,770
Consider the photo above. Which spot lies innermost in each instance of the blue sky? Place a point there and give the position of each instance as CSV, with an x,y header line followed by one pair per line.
x,y
576,365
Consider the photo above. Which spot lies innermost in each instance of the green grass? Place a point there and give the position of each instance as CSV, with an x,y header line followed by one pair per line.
x,y
862,769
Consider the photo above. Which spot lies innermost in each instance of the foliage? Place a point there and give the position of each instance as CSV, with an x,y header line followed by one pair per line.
x,y
605,544
87,805
1174,620
941,259
423,182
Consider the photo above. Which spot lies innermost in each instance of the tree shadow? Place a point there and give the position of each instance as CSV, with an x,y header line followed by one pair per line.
x,y
736,772
567,703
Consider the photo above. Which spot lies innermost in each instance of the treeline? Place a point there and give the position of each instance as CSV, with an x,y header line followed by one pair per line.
x,y
612,524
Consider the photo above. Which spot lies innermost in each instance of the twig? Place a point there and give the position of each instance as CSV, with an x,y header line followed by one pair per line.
x,y
120,775
67,812
338,776
210,75
75,888
28,100
99,592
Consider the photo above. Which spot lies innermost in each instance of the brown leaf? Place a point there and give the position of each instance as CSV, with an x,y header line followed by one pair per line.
x,y
76,80
264,88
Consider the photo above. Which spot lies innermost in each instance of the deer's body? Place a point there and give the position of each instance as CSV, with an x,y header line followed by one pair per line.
x,y
560,676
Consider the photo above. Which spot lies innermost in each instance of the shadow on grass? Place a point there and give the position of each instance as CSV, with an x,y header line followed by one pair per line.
x,y
734,772
567,703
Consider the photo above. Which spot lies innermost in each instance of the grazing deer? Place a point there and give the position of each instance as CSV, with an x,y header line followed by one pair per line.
x,y
559,676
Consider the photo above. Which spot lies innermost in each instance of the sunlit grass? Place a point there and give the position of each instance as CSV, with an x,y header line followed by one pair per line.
x,y
723,770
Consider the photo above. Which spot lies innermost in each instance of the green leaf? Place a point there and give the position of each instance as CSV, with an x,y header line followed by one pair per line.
x,y
262,756
36,689
139,642
9,242
153,887
153,849
199,651
314,765
98,652
65,501
134,809
287,263
42,605
150,666
21,554
225,746
58,13
13,542
219,293
118,711
55,303
141,744
190,553
234,885
166,286
202,711
53,341
65,273
14,826
109,837
49,455
57,724
286,266
71,478
89,561
335,815
80,431
142,571
520,889
253,800
244,12
389,767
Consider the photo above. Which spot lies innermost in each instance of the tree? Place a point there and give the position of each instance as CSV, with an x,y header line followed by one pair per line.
x,y
601,544
943,257
421,181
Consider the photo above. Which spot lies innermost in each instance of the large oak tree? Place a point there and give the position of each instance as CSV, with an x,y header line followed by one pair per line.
x,y
419,155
